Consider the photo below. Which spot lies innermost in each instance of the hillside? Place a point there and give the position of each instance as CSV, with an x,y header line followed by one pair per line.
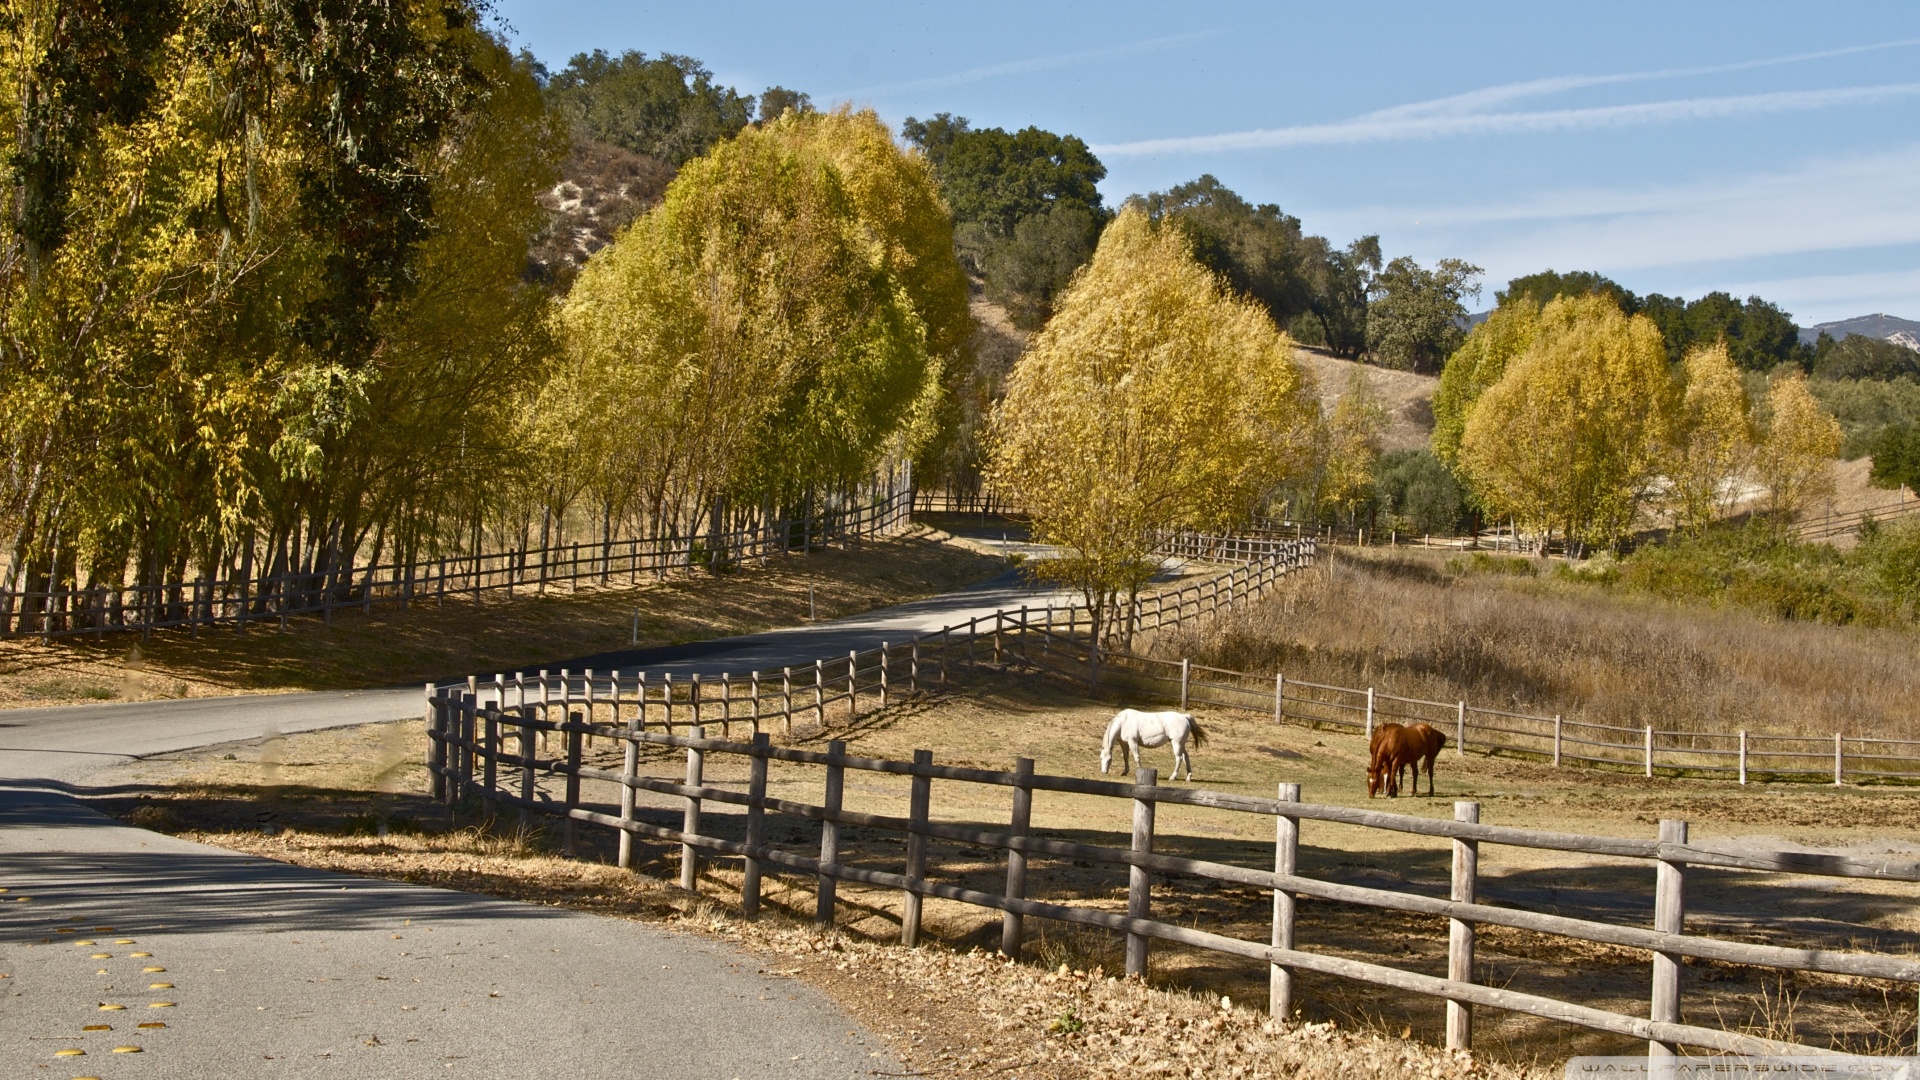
x,y
1408,398
1885,327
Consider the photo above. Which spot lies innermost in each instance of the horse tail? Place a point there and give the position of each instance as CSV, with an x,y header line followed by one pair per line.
x,y
1193,727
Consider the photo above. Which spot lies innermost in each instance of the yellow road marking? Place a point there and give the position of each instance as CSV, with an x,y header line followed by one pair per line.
x,y
160,1004
111,1008
70,1052
159,986
126,1050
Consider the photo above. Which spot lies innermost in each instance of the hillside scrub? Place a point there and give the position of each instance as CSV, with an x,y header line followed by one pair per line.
x,y
1417,626
1876,583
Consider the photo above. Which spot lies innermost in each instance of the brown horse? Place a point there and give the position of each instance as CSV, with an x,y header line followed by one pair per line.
x,y
1429,743
1390,749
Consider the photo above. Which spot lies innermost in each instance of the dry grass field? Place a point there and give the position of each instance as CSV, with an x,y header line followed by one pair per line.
x,y
391,647
1407,398
352,800
1406,623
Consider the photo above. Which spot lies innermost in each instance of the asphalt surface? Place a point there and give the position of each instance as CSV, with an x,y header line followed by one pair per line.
x,y
277,970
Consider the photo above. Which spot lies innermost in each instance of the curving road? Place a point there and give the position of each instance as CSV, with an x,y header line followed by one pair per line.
x,y
254,968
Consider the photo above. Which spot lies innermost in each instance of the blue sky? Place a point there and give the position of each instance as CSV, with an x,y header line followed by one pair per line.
x,y
1754,147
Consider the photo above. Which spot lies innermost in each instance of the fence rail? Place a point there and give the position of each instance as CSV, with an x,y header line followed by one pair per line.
x,y
1851,522
469,756
239,601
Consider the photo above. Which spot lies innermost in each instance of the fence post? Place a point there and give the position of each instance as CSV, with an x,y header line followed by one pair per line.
x,y
1669,914
629,765
756,823
998,621
1743,757
1017,859
853,687
1369,714
1466,870
437,745
1186,673
1460,730
753,688
693,697
913,669
883,675
726,704
945,644
690,823
820,693
916,850
786,697
830,832
490,777
526,766
1279,696
1286,860
573,782
1649,751
1139,881
1836,759
1556,740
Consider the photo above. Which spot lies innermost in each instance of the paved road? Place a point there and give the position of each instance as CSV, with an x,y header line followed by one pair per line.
x,y
282,971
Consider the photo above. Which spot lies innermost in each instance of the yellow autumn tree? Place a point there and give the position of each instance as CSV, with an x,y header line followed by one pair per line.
x,y
770,332
1799,439
1351,445
1154,399
1573,432
1476,365
1712,440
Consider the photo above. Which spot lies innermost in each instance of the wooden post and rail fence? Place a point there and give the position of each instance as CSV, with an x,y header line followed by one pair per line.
x,y
472,757
242,600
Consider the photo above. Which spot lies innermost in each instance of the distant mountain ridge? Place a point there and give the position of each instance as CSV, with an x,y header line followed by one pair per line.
x,y
1885,327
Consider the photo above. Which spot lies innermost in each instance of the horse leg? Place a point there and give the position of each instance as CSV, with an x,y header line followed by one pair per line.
x,y
1180,757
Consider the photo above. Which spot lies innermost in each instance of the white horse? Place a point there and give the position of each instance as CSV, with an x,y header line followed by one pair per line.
x,y
1134,729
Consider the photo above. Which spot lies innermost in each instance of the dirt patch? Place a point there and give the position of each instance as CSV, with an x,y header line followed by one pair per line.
x,y
450,636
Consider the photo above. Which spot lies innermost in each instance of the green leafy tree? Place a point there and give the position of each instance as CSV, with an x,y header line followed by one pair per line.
x,y
1857,356
1260,251
1154,399
1896,457
1026,206
667,107
1419,494
1415,315
776,100
1027,272
1337,284
1549,285
1758,334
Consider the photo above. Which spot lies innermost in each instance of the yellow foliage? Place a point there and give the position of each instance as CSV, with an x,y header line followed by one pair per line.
x,y
1476,365
1573,431
775,326
1352,445
1798,446
1712,439
1154,399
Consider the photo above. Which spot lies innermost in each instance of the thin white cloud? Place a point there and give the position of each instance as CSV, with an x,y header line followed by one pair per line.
x,y
1021,67
1390,126
1486,97
1696,236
